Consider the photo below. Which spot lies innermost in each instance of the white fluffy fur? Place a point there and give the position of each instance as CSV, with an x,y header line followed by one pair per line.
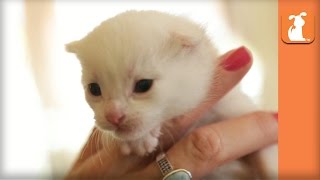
x,y
134,45
172,50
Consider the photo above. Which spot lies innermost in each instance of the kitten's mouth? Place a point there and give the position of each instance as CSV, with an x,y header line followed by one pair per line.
x,y
127,133
124,129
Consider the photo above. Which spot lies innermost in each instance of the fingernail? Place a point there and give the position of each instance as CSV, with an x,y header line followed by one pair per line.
x,y
237,59
275,115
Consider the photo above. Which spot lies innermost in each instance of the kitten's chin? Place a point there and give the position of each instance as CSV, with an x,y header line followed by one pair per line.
x,y
126,134
104,127
122,133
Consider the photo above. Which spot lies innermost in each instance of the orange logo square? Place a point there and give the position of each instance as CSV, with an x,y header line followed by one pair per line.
x,y
298,27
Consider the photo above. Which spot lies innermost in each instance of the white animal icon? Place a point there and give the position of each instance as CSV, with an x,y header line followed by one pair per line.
x,y
295,30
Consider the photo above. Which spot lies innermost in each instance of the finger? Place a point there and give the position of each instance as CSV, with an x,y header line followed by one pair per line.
x,y
219,143
106,161
232,67
91,147
97,159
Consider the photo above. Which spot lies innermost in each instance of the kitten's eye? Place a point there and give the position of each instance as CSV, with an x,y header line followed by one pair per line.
x,y
94,89
143,85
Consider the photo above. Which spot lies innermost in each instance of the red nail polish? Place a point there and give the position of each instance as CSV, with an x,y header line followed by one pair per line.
x,y
275,115
237,59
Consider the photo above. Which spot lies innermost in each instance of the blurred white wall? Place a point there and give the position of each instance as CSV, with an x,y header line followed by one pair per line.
x,y
46,119
255,22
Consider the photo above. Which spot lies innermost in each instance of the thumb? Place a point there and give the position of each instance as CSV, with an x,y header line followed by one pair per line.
x,y
231,68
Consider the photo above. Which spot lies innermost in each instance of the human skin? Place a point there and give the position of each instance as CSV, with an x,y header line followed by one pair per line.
x,y
200,151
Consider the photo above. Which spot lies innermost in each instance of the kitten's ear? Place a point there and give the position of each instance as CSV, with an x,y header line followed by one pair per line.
x,y
185,41
72,47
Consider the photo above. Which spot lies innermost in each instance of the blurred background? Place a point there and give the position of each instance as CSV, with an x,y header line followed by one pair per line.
x,y
45,119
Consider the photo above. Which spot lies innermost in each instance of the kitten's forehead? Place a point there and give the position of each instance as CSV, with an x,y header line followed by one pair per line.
x,y
120,50
126,34
132,45
116,69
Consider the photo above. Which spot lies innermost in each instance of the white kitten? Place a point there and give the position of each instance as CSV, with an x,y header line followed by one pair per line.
x,y
141,68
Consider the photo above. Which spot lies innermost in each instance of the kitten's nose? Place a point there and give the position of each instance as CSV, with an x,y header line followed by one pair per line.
x,y
115,117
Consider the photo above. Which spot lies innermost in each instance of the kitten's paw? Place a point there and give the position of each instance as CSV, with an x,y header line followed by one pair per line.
x,y
146,146
142,146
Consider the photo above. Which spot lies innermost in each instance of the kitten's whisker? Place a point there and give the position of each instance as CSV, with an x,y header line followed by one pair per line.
x,y
87,144
94,134
169,135
106,142
109,142
98,144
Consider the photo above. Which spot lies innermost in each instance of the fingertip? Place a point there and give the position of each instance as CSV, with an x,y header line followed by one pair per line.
x,y
237,59
275,115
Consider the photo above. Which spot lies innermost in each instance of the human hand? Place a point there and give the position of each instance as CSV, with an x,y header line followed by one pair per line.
x,y
199,152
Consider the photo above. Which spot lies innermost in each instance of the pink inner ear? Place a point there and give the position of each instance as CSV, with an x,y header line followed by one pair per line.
x,y
183,40
186,43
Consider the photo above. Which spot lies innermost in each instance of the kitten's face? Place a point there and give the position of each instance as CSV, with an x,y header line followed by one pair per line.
x,y
136,77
